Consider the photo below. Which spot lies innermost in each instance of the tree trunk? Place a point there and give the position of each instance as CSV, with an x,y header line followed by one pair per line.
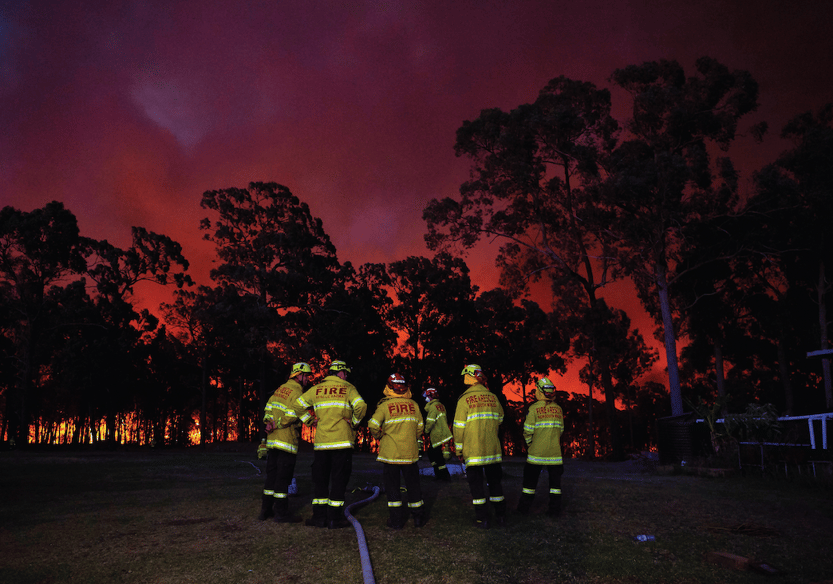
x,y
784,366
670,341
720,376
240,414
110,424
630,414
825,363
591,438
603,361
204,384
25,384
262,394
618,453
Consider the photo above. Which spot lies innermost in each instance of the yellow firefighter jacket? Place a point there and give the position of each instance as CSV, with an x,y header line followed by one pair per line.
x,y
397,424
436,423
280,411
542,431
476,422
338,408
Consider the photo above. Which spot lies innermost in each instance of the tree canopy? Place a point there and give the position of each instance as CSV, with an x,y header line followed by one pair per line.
x,y
576,200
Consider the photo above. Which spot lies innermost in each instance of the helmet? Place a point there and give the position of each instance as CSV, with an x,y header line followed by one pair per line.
x,y
299,368
546,386
429,394
473,374
473,370
339,366
397,383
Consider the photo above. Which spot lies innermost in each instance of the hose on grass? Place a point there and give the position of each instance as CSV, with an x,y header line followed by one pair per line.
x,y
367,569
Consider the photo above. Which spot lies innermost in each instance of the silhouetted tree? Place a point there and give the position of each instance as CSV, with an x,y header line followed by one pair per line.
x,y
205,323
38,250
803,173
432,310
352,325
515,342
150,258
662,177
275,256
606,336
529,187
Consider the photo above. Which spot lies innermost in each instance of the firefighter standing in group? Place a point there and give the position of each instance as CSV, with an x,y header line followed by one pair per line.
x,y
476,422
543,427
397,424
283,430
338,409
436,427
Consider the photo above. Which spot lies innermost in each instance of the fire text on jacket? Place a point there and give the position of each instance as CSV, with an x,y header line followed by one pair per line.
x,y
401,408
336,390
479,401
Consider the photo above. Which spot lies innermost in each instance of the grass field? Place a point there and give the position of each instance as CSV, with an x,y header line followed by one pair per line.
x,y
189,516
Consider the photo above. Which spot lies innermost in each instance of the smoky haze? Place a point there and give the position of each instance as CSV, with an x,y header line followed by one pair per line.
x,y
128,111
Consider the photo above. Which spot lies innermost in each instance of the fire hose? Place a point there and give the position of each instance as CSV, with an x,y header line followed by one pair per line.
x,y
367,569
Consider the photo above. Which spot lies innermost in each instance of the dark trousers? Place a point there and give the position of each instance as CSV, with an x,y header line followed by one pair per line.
x,y
391,478
435,455
331,470
493,474
280,467
533,471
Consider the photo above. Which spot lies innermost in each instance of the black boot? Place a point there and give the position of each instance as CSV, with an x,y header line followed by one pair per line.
x,y
500,514
319,516
266,507
442,473
554,509
282,514
481,516
525,503
419,517
396,518
336,517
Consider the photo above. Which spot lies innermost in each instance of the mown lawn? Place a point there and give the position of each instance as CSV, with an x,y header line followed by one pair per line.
x,y
189,516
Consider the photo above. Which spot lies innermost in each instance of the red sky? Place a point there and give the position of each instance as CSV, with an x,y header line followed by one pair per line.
x,y
128,111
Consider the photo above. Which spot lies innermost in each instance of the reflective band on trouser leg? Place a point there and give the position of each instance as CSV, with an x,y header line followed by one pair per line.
x,y
394,503
496,499
554,491
320,501
478,501
529,491
281,495
336,503
416,505
268,492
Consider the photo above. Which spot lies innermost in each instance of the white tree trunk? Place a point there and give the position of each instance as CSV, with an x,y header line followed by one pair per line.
x,y
670,342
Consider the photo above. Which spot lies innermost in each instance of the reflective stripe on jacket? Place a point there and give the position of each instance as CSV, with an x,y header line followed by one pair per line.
x,y
436,423
280,411
397,424
542,431
476,422
338,407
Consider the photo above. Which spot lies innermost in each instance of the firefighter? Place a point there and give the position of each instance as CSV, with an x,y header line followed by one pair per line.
x,y
476,422
397,424
338,409
436,427
283,430
543,427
